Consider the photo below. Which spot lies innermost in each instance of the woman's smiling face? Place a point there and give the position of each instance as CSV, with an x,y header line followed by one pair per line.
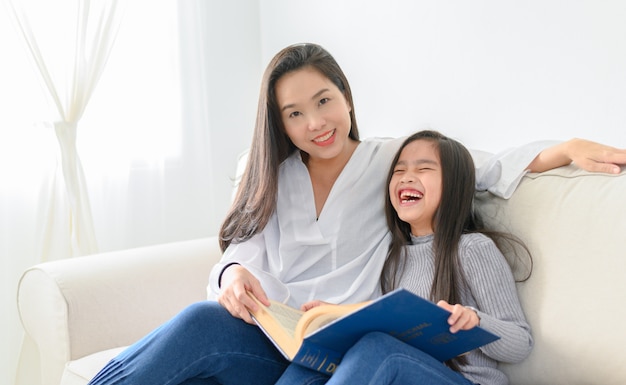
x,y
315,113
416,185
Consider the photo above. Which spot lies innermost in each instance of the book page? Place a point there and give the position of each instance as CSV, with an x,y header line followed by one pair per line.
x,y
286,316
277,322
322,315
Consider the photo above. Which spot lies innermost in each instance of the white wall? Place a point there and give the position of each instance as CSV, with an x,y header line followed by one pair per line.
x,y
492,73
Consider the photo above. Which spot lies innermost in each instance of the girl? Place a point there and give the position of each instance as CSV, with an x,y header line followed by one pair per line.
x,y
295,231
438,251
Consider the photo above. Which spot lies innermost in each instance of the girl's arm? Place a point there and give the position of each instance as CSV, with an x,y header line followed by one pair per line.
x,y
585,154
491,289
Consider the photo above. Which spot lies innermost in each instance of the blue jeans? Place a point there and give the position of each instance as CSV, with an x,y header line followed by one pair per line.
x,y
379,359
203,344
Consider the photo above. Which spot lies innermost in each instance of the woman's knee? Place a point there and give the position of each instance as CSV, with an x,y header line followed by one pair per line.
x,y
206,313
205,317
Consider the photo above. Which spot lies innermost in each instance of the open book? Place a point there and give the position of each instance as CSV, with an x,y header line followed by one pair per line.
x,y
319,337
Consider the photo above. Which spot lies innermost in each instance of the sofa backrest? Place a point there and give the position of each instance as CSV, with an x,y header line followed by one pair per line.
x,y
574,223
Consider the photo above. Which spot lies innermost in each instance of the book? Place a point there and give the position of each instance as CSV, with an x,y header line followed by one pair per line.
x,y
319,337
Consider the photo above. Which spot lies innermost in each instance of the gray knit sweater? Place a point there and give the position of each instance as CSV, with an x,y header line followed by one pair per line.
x,y
490,289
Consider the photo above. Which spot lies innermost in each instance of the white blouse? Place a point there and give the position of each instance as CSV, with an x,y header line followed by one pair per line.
x,y
338,257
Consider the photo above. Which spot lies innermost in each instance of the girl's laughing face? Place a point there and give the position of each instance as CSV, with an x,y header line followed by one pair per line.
x,y
415,186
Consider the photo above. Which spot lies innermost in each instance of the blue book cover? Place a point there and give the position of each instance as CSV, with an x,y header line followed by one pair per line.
x,y
400,313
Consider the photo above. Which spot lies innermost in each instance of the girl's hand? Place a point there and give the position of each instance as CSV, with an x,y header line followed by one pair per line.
x,y
311,304
237,281
462,318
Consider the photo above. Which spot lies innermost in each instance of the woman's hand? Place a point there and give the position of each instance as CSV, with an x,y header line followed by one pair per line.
x,y
237,281
588,155
462,318
311,304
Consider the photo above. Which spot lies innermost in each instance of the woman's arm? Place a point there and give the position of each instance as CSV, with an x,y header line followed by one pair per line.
x,y
501,173
243,268
588,155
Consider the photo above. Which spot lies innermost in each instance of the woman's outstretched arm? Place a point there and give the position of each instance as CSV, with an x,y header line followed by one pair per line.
x,y
588,155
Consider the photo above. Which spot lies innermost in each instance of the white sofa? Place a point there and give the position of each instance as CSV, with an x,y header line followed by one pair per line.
x,y
82,311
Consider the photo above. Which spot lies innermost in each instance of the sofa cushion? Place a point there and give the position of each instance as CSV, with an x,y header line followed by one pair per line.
x,y
79,372
574,223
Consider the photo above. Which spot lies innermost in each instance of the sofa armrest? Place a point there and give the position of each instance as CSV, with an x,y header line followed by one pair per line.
x,y
75,307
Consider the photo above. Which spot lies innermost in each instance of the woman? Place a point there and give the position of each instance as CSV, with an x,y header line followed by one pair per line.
x,y
307,222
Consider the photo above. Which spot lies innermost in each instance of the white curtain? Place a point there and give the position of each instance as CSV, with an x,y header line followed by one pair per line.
x,y
69,42
70,55
146,178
